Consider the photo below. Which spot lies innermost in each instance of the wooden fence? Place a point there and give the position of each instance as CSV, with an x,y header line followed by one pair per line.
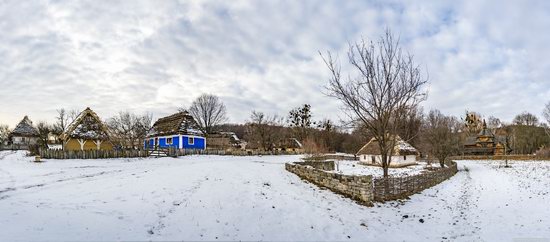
x,y
106,154
182,152
92,154
498,157
393,188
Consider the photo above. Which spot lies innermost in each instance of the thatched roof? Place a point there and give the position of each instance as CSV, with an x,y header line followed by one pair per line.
x,y
25,128
290,143
179,123
401,148
87,125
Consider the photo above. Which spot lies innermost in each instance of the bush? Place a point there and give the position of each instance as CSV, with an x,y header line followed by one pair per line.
x,y
543,153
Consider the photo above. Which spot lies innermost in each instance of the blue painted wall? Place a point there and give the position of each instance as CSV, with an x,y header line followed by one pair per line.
x,y
200,143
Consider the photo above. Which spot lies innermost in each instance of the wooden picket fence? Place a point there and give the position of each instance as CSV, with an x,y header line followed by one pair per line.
x,y
392,188
92,154
107,154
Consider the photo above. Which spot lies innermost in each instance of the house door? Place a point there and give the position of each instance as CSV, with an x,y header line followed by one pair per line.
x,y
156,142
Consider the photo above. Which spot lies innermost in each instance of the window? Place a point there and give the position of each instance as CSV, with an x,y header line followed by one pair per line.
x,y
191,140
169,141
404,157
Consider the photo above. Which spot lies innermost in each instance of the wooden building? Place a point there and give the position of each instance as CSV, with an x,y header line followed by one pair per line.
x,y
290,144
86,132
179,131
486,143
404,154
24,134
225,141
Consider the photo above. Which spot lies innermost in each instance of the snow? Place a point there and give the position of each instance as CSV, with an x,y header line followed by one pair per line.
x,y
354,168
402,145
254,198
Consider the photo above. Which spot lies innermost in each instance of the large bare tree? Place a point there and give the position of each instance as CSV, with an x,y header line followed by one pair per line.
x,y
209,112
386,84
440,134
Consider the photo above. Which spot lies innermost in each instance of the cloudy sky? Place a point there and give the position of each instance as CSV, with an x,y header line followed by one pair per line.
x,y
492,57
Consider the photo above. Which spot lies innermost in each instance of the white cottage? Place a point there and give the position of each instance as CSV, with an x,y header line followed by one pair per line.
x,y
25,133
404,154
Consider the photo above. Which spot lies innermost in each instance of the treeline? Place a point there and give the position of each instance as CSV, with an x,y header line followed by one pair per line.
x,y
432,133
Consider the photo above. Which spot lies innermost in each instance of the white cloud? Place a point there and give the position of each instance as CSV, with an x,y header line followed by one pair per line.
x,y
260,55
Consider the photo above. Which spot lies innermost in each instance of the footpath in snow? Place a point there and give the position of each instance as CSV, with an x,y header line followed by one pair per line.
x,y
254,198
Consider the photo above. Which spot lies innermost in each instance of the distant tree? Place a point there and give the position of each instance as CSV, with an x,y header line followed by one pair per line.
x,y
440,135
546,115
4,133
130,129
264,130
526,118
209,112
63,119
300,120
387,85
493,123
44,129
410,126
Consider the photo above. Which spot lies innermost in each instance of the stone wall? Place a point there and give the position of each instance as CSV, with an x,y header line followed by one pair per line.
x,y
365,189
359,188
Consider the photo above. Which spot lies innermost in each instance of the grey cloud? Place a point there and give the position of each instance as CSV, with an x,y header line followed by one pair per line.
x,y
157,56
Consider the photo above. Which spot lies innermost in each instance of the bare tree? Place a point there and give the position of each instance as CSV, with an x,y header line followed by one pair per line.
x,y
209,111
440,135
526,118
493,123
63,119
4,134
264,130
387,85
44,130
130,129
546,115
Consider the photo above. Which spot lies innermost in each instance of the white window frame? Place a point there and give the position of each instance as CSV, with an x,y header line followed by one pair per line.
x,y
169,140
191,140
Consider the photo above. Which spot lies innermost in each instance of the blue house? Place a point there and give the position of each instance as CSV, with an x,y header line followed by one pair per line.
x,y
179,131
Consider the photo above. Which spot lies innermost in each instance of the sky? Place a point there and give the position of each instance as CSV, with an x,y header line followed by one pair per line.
x,y
491,57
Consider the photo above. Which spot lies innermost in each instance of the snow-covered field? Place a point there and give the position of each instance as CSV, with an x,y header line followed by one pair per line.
x,y
350,167
254,198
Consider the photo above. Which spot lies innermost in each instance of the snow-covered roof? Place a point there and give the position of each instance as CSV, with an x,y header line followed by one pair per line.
x,y
179,123
25,128
401,148
87,125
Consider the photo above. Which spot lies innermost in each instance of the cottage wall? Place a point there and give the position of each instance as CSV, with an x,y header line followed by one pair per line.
x,y
73,144
395,161
20,140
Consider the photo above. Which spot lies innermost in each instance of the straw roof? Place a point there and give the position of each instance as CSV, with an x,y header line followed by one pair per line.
x,y
179,123
87,125
401,148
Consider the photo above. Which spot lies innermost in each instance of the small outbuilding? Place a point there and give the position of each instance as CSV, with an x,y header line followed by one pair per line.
x,y
179,131
86,132
404,154
24,134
